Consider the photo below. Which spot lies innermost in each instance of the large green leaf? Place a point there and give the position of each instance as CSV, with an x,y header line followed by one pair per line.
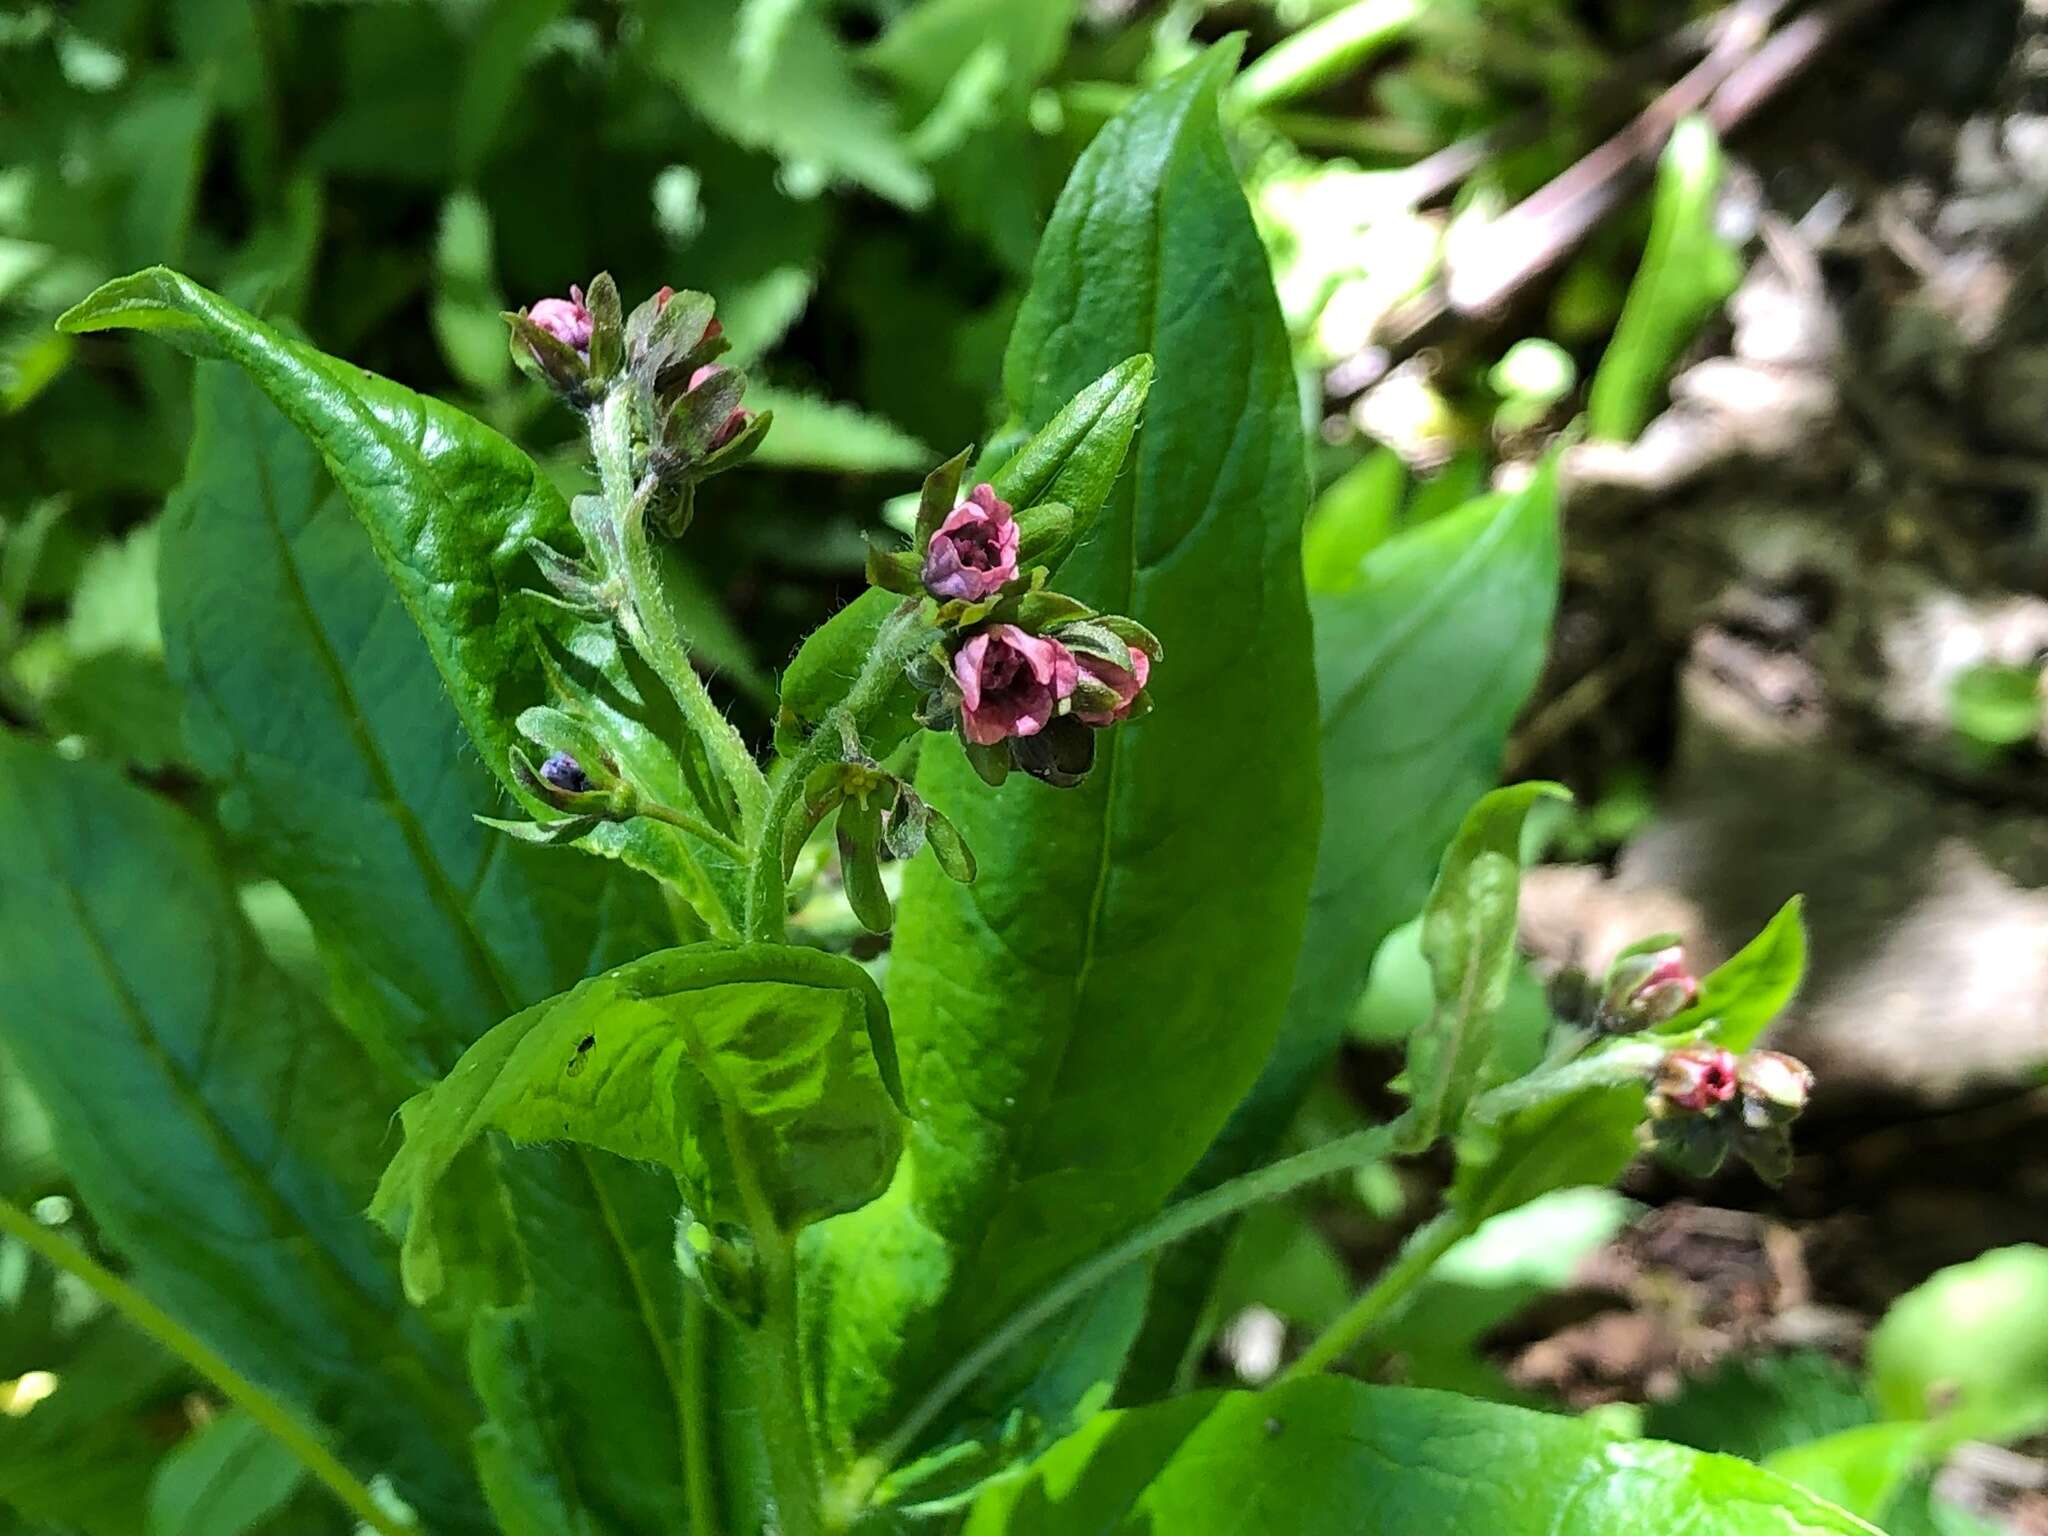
x,y
761,1075
449,504
1425,652
224,1480
316,704
223,1131
1076,1024
1331,1457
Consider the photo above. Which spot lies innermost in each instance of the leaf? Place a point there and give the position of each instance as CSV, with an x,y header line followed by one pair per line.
x,y
1425,654
317,708
1741,996
825,667
1325,1456
1352,518
1968,1349
729,1065
1996,705
1468,937
1076,1024
224,1480
222,1130
449,504
1753,1407
1862,1470
1687,270
807,106
494,59
315,704
811,433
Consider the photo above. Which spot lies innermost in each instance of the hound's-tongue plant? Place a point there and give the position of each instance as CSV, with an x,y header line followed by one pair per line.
x,y
973,1211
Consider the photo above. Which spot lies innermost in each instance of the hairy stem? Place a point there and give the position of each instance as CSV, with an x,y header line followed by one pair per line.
x,y
1170,1226
700,1477
650,623
238,1389
779,1393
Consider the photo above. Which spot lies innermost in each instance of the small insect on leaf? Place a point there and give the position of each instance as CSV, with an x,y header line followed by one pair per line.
x,y
583,1050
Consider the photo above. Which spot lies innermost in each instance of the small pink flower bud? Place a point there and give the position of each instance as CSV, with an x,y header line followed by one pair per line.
x,y
1697,1078
974,552
564,319
1011,683
1649,988
736,422
1110,675
661,297
1775,1081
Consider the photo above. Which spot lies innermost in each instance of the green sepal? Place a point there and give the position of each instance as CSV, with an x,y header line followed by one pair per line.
x,y
1132,633
1044,533
1089,637
697,416
1060,755
1038,610
991,762
576,583
547,359
859,833
940,495
675,338
895,570
607,328
949,848
543,834
740,449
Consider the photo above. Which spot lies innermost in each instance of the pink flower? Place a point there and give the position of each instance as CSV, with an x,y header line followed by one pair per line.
x,y
1125,684
1650,988
564,319
1697,1078
1011,683
974,551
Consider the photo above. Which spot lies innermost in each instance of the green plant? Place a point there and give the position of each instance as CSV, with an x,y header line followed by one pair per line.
x,y
699,1229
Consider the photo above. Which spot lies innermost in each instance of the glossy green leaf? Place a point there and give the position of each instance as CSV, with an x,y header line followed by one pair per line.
x,y
1077,456
1351,518
223,1130
1687,270
1468,938
1753,1406
359,799
1076,1024
224,1480
1425,653
761,1075
449,504
811,433
1969,1348
1330,1457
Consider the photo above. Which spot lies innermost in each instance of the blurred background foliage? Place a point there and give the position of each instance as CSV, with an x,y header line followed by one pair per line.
x,y
861,185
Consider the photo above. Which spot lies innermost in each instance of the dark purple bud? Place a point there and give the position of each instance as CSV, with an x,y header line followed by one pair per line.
x,y
973,553
1126,685
1012,683
564,319
563,772
1697,1079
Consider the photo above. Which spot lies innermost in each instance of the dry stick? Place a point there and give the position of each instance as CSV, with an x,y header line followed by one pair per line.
x,y
1747,67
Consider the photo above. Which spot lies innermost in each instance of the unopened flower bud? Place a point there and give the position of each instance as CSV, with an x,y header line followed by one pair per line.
x,y
973,553
1648,988
661,297
563,772
736,422
1696,1079
1012,683
564,319
1126,685
1775,1087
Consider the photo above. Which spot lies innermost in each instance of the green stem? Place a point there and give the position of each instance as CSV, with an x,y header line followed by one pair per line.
x,y
151,1319
700,1479
1385,1298
901,636
779,1393
1170,1226
1626,1062
654,810
1323,50
651,624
